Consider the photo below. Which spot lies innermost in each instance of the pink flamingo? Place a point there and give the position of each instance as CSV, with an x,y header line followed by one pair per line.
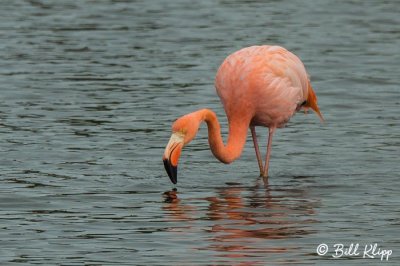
x,y
258,86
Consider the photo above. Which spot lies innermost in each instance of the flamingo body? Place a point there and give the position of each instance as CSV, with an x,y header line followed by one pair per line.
x,y
258,86
263,84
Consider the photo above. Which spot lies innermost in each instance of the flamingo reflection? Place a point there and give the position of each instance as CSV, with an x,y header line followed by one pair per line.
x,y
247,222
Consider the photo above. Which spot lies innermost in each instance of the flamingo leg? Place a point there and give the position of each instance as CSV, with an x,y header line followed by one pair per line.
x,y
258,154
271,133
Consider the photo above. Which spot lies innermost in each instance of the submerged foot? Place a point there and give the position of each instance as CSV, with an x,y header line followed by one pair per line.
x,y
264,176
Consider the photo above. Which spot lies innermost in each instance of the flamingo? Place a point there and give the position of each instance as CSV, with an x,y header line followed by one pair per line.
x,y
258,86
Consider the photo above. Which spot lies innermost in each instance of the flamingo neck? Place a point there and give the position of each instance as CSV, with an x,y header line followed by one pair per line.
x,y
236,138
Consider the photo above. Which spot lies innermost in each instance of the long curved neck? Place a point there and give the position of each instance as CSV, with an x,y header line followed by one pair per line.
x,y
236,138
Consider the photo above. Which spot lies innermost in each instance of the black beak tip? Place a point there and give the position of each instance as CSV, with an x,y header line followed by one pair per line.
x,y
172,171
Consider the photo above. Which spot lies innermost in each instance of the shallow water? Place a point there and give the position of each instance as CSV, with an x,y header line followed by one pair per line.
x,y
89,90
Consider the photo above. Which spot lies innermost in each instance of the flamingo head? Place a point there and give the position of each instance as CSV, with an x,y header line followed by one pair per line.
x,y
184,130
171,155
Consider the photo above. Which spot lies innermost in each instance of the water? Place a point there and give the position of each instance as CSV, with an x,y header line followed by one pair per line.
x,y
89,90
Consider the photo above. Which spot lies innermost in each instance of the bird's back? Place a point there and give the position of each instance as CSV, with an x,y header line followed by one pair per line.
x,y
263,84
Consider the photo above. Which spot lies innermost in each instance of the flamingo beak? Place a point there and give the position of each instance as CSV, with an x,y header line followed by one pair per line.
x,y
171,156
